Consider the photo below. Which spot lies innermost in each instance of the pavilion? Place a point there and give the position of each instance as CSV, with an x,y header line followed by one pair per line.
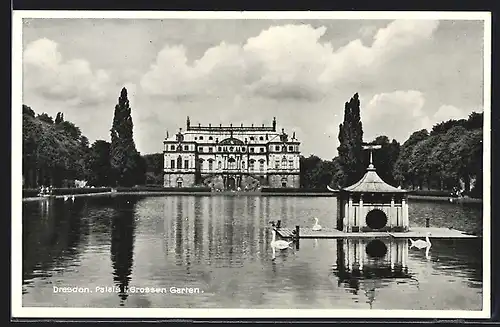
x,y
372,205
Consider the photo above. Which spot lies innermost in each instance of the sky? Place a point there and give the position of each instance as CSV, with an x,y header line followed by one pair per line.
x,y
409,74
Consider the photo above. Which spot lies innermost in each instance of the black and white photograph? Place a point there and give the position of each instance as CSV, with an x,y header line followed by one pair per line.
x,y
251,164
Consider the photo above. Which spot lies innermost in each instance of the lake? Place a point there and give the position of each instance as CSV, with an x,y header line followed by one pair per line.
x,y
120,249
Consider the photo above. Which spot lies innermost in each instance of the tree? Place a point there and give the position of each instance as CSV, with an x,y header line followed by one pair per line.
x,y
98,164
385,158
28,111
128,167
154,168
350,158
402,173
59,118
46,118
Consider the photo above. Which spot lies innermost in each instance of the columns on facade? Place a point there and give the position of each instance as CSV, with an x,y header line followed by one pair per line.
x,y
361,212
393,215
350,214
404,204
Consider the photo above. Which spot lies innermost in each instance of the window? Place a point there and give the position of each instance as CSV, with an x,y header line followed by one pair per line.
x,y
231,148
186,164
210,164
262,150
277,148
179,182
179,162
242,165
252,138
172,147
210,138
186,148
290,164
195,138
219,165
261,165
200,149
219,149
201,163
251,165
252,150
232,163
283,163
290,148
210,149
277,165
201,137
261,138
243,149
172,164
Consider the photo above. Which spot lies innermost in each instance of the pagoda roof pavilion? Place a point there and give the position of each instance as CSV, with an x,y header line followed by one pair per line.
x,y
371,182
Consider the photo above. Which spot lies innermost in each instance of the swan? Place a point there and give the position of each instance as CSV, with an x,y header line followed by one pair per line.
x,y
66,198
316,225
72,198
427,255
280,245
420,244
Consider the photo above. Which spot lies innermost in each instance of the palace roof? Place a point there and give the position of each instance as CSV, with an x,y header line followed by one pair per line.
x,y
231,141
372,183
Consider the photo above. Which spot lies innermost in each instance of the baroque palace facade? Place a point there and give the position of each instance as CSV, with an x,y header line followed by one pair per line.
x,y
231,157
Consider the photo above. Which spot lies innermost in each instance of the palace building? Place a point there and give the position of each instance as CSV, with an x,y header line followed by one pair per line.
x,y
231,157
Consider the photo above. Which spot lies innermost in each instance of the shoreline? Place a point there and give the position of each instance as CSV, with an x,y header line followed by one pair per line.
x,y
301,194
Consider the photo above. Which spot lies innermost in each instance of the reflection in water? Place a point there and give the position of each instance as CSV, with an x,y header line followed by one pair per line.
x,y
221,244
53,236
363,262
122,245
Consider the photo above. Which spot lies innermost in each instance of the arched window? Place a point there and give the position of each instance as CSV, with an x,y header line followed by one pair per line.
x,y
242,165
201,137
231,163
179,182
283,182
201,163
219,165
210,138
179,162
210,164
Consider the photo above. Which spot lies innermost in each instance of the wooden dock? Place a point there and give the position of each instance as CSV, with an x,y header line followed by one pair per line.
x,y
414,232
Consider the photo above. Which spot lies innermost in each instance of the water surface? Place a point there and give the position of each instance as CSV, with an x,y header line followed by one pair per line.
x,y
221,246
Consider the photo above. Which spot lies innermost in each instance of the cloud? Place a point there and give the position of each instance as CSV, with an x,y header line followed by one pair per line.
x,y
74,81
398,114
289,61
447,112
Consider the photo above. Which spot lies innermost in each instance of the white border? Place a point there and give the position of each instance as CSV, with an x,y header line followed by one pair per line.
x,y
16,289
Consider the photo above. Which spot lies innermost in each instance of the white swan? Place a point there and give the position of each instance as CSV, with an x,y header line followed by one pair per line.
x,y
66,198
72,198
427,255
280,245
421,244
330,189
316,225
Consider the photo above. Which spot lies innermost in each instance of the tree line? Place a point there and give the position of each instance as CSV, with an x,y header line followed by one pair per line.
x,y
56,153
447,157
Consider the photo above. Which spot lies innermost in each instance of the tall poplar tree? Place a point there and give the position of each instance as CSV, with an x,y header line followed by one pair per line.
x,y
125,159
350,158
